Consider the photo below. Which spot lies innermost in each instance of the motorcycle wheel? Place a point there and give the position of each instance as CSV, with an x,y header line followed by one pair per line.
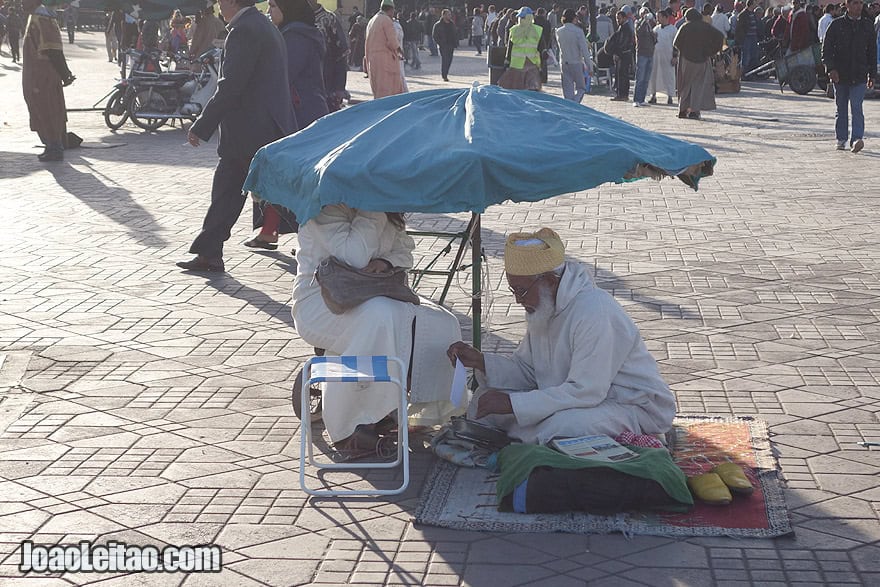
x,y
115,113
148,124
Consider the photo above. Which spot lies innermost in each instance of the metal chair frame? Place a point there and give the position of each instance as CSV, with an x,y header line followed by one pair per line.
x,y
307,447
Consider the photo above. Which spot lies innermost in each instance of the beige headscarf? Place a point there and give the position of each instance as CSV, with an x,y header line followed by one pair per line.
x,y
533,253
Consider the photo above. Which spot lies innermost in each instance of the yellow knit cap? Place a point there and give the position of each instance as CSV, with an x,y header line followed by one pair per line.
x,y
533,253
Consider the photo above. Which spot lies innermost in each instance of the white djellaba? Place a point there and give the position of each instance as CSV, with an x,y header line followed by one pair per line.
x,y
379,326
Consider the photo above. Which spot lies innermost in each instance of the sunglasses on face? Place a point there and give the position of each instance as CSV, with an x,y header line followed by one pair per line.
x,y
520,293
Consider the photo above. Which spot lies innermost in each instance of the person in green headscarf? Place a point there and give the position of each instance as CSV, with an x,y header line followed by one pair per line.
x,y
44,73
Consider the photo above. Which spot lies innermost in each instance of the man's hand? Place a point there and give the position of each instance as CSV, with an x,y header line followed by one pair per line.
x,y
834,76
870,81
69,79
192,139
468,355
493,402
377,266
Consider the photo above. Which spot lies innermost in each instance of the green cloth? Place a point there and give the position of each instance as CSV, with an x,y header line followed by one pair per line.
x,y
517,461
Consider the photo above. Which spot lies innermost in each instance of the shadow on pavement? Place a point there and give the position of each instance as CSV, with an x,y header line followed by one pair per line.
x,y
228,285
114,202
494,241
166,147
14,165
14,67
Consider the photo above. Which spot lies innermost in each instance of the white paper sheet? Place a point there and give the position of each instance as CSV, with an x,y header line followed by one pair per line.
x,y
459,382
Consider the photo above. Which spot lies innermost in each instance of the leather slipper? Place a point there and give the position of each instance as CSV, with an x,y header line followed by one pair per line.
x,y
734,477
256,243
709,488
364,443
386,426
360,445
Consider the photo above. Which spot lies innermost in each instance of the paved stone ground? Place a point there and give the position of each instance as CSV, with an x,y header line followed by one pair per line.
x,y
150,406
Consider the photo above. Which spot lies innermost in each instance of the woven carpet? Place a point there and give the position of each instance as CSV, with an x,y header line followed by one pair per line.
x,y
464,499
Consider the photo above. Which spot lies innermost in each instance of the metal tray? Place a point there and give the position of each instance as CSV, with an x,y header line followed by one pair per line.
x,y
481,434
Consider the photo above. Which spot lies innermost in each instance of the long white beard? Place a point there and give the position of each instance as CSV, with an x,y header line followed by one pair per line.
x,y
539,321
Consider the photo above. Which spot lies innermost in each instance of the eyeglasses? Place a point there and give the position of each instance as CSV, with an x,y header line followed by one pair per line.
x,y
521,293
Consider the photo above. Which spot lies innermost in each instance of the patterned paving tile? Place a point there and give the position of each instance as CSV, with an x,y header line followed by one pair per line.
x,y
114,461
171,397
36,425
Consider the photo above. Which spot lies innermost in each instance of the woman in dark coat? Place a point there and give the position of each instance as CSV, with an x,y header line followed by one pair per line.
x,y
357,37
305,58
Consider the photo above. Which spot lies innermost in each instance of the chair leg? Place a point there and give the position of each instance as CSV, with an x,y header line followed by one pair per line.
x,y
308,451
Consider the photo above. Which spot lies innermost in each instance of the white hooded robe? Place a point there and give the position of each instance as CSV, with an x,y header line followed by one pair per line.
x,y
588,372
379,326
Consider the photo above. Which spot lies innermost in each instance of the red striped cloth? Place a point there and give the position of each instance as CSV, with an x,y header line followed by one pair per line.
x,y
645,440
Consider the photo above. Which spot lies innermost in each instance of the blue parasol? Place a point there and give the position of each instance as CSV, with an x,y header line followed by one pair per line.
x,y
462,150
445,151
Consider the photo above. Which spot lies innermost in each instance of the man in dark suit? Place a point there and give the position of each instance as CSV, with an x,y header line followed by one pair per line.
x,y
252,106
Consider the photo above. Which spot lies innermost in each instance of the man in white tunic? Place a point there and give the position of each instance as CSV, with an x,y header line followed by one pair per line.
x,y
582,367
663,68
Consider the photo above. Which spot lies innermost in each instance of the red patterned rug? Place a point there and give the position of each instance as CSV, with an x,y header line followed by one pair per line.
x,y
461,498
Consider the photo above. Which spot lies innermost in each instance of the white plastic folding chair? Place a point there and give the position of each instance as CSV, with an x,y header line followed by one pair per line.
x,y
600,74
351,369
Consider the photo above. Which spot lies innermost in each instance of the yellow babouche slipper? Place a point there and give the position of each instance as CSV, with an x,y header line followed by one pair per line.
x,y
710,489
734,477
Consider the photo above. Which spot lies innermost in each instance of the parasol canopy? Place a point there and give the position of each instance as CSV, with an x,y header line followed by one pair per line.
x,y
462,150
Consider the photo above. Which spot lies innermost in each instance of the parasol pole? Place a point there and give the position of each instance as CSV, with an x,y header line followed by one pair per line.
x,y
477,278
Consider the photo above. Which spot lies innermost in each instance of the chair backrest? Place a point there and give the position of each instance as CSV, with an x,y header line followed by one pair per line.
x,y
349,369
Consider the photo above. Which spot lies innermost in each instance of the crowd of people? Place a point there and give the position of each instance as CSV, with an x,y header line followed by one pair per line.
x,y
669,52
672,50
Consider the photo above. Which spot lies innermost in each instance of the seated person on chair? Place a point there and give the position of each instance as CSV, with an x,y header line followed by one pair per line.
x,y
582,367
417,334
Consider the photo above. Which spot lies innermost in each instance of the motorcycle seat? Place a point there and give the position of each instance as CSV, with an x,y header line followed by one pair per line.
x,y
144,74
176,76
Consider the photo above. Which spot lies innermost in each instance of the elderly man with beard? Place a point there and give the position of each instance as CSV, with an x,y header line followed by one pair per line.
x,y
582,367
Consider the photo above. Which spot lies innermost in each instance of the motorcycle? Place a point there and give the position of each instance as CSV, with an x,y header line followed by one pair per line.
x,y
150,99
